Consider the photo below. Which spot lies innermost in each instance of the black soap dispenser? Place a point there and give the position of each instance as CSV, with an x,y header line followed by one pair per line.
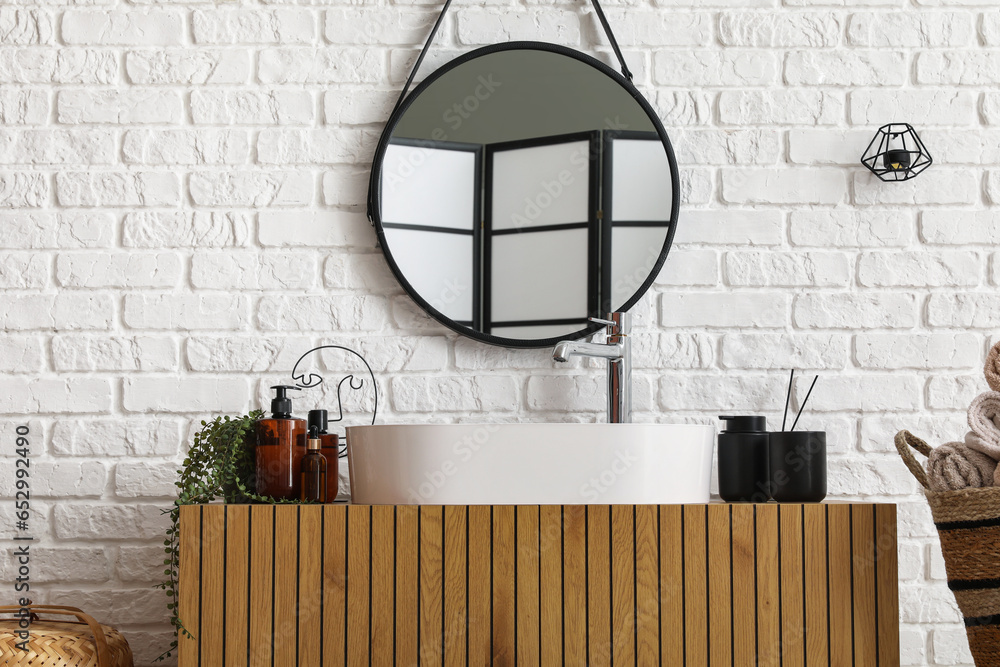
x,y
743,460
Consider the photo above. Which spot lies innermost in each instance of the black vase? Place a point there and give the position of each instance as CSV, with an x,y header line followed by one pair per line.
x,y
797,466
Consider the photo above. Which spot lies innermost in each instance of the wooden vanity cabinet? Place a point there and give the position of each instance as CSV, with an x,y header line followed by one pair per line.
x,y
770,585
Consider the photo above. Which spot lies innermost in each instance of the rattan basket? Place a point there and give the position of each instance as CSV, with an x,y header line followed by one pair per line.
x,y
968,523
62,643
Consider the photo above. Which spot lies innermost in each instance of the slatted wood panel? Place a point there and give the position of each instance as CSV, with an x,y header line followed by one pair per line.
x,y
598,558
768,587
431,586
839,587
189,576
504,612
886,584
237,520
864,601
286,589
672,626
550,573
792,589
456,570
527,576
816,582
789,585
383,585
623,635
480,544
720,597
212,586
575,585
695,619
334,635
647,583
310,584
261,577
744,575
406,641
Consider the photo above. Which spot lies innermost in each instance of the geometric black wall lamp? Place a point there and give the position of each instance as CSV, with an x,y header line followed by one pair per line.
x,y
896,153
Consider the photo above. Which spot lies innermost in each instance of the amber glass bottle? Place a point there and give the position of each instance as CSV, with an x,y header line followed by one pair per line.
x,y
330,446
313,466
281,441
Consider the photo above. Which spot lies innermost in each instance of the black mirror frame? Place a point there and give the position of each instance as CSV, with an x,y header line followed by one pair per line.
x,y
376,200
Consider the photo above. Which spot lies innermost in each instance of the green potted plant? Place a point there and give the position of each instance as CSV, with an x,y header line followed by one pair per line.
x,y
220,465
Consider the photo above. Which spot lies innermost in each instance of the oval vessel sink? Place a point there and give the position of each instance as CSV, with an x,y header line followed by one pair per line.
x,y
530,464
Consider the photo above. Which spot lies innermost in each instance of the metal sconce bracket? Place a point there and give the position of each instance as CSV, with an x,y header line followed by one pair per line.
x,y
896,153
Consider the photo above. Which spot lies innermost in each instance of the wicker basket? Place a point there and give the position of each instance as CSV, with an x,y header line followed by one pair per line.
x,y
62,643
968,523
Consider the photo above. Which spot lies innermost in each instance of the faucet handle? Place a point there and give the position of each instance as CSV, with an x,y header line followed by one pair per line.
x,y
619,324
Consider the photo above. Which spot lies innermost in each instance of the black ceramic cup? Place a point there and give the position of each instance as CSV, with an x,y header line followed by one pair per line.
x,y
797,466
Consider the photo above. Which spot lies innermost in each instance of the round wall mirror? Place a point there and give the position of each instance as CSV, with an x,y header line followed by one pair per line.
x,y
521,189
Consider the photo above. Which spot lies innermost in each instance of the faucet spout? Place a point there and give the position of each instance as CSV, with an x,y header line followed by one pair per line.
x,y
618,352
565,350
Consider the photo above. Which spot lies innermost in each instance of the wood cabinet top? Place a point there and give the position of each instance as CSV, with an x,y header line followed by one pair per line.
x,y
710,504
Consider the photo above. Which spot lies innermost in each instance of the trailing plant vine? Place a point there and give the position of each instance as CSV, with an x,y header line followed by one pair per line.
x,y
220,465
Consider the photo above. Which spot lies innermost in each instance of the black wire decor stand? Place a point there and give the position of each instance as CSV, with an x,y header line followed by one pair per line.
x,y
896,153
313,379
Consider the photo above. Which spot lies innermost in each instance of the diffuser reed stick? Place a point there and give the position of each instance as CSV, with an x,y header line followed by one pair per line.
x,y
788,396
804,401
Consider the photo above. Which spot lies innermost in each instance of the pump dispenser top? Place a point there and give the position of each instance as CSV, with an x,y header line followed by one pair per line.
x,y
281,404
744,424
320,420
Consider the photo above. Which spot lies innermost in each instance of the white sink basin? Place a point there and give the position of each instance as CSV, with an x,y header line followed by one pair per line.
x,y
530,464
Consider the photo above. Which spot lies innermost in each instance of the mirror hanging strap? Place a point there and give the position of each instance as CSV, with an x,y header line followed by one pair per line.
x,y
626,72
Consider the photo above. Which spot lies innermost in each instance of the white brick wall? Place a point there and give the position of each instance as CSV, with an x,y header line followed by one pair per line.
x,y
181,197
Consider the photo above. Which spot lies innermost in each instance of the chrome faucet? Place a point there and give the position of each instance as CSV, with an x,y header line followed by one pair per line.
x,y
618,352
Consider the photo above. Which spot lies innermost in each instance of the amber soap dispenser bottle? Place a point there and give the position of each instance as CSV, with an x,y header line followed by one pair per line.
x,y
280,448
313,470
330,448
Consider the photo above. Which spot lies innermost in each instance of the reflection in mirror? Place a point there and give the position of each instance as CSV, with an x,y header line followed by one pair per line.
x,y
430,214
523,191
